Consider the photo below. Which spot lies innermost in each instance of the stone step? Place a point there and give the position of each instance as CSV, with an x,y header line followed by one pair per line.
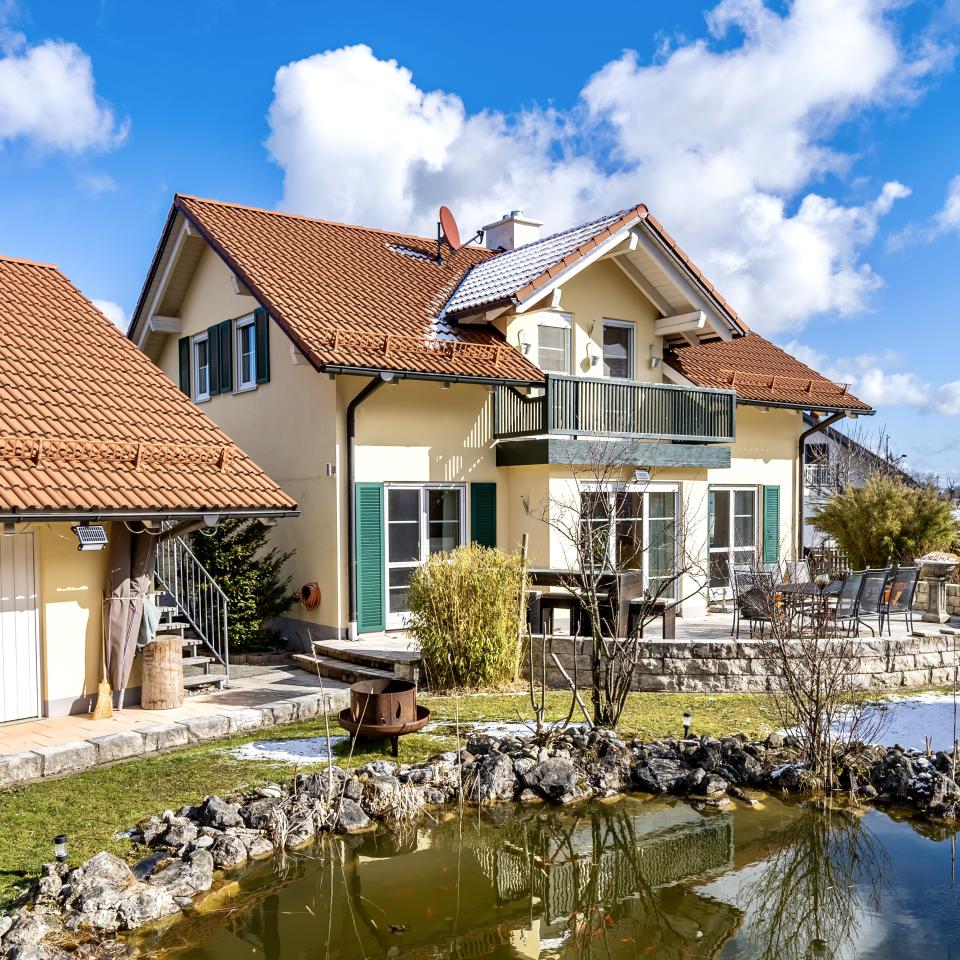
x,y
336,669
364,658
172,626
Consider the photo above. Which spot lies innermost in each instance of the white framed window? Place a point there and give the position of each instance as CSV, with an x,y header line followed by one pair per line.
x,y
201,367
619,360
246,339
420,519
635,527
554,335
734,533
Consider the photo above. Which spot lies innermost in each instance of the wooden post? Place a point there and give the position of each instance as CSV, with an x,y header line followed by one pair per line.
x,y
162,673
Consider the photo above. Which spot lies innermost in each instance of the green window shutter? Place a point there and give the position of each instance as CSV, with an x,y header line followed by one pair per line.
x,y
483,514
183,350
710,496
213,355
771,524
371,613
226,355
262,321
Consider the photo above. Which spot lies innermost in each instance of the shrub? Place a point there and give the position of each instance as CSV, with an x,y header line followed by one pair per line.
x,y
235,555
464,609
887,520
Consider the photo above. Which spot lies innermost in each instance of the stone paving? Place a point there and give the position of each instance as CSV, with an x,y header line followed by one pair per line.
x,y
53,746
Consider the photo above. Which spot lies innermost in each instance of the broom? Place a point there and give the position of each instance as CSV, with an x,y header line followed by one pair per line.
x,y
104,707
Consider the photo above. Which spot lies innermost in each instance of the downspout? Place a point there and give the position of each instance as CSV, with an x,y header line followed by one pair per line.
x,y
372,387
821,425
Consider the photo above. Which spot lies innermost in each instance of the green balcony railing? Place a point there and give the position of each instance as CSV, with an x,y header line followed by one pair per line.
x,y
582,406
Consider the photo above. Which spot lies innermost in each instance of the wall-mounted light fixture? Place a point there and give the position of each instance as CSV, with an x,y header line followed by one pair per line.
x,y
211,519
522,343
9,527
655,358
90,536
594,358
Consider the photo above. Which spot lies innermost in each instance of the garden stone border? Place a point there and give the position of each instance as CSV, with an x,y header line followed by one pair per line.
x,y
43,763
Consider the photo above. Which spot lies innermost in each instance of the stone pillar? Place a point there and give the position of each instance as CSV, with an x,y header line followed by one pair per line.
x,y
936,611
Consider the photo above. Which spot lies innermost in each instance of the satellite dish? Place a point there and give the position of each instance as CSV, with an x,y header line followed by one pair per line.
x,y
451,232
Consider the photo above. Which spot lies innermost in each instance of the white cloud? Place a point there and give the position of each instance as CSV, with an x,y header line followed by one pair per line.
x,y
948,217
724,141
48,98
880,380
113,312
945,220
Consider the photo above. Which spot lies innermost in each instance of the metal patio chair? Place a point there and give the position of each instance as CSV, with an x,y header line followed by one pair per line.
x,y
871,597
754,592
898,597
846,613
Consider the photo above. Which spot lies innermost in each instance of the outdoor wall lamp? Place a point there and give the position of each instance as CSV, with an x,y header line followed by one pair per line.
x,y
594,358
655,358
523,343
61,848
90,536
687,723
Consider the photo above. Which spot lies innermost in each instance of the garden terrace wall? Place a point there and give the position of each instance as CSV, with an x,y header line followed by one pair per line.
x,y
953,598
739,665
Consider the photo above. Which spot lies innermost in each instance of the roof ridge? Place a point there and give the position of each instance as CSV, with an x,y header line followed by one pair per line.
x,y
5,258
308,219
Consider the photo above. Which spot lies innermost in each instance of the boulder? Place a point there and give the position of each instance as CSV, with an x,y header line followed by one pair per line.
x,y
381,795
229,852
215,812
259,847
256,814
658,775
493,779
188,876
180,831
351,817
556,779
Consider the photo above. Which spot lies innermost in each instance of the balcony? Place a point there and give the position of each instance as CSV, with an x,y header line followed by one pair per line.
x,y
556,426
585,407
822,477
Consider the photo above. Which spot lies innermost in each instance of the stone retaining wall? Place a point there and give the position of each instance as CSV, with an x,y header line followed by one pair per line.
x,y
739,665
953,598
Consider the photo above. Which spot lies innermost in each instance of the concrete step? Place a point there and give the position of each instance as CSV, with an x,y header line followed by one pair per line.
x,y
337,669
204,680
365,658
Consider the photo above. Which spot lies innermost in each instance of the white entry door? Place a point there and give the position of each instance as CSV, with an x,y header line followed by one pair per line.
x,y
19,634
420,520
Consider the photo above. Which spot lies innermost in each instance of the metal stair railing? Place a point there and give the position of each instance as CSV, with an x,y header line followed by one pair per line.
x,y
197,596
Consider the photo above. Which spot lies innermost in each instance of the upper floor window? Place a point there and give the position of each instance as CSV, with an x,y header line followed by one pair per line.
x,y
618,357
553,343
201,367
246,354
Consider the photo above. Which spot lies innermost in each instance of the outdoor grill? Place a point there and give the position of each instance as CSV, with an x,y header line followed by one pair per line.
x,y
384,708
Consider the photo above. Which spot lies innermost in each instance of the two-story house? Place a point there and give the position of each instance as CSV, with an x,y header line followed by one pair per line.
x,y
412,396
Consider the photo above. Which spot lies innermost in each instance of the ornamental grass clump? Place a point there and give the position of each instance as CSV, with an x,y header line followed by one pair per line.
x,y
465,609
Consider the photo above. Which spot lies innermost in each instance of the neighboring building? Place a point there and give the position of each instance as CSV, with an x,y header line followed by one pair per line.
x,y
833,461
429,401
92,435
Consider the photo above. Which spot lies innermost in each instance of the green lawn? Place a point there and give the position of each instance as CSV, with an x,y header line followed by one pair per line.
x,y
92,807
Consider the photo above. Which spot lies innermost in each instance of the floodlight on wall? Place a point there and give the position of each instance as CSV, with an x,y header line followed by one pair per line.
x,y
90,536
211,519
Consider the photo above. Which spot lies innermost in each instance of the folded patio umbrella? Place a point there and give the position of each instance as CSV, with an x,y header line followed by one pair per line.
x,y
131,567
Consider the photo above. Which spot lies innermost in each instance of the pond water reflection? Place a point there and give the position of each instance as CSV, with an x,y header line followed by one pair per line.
x,y
627,879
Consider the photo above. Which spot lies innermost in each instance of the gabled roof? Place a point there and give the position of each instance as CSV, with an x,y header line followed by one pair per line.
x,y
89,425
507,276
355,296
761,372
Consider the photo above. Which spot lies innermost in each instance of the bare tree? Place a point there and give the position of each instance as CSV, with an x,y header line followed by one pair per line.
x,y
625,540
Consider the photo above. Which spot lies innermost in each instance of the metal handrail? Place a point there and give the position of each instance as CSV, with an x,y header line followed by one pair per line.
x,y
198,597
821,475
586,406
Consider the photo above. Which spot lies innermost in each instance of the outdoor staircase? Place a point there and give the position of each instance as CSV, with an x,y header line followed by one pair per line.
x,y
351,666
193,607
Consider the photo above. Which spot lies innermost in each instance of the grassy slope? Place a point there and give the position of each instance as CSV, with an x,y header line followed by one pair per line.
x,y
92,807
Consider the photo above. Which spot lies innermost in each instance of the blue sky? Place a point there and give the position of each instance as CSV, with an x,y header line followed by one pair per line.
x,y
803,152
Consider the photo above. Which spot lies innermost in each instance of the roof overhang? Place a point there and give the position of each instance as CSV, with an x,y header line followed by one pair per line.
x,y
93,516
394,375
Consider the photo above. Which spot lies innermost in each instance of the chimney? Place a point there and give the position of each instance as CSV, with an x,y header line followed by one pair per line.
x,y
512,231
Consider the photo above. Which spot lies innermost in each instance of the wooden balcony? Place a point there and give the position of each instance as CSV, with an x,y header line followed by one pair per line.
x,y
628,409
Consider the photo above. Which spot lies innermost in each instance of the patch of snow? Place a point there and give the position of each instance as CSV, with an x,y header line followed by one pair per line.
x,y
307,750
492,728
910,719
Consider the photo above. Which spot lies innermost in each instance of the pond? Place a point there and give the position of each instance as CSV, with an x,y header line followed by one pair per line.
x,y
623,879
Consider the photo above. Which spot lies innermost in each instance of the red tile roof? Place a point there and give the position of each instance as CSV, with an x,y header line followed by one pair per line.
x,y
356,296
759,371
88,423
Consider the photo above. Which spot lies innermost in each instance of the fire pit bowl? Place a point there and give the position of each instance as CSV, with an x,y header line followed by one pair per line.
x,y
384,708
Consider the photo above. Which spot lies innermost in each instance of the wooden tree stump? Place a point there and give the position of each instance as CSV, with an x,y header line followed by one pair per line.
x,y
162,674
